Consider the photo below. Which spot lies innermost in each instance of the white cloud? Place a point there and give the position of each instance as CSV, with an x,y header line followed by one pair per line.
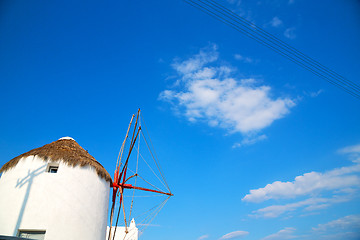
x,y
209,94
321,190
351,222
286,233
306,184
314,94
234,235
250,141
310,204
290,33
243,59
342,236
347,227
203,237
353,151
276,22
195,63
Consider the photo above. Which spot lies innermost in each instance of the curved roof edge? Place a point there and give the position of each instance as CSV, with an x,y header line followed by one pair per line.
x,y
66,150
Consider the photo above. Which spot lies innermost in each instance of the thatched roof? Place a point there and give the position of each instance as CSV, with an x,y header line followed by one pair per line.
x,y
66,150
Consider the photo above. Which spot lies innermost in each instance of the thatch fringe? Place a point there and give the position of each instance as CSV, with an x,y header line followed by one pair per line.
x,y
65,150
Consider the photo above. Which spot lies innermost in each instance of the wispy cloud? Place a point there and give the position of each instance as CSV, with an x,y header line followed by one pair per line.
x,y
207,92
243,59
250,141
290,33
347,227
286,233
310,204
351,222
276,22
203,237
234,235
196,62
353,151
314,94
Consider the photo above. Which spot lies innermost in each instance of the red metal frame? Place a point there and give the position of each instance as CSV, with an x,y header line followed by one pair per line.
x,y
121,176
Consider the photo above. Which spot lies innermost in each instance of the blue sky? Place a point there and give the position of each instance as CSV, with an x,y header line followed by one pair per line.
x,y
253,146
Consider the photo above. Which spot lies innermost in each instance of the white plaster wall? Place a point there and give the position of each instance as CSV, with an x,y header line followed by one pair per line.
x,y
132,234
69,204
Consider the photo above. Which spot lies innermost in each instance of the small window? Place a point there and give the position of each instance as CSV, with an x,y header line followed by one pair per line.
x,y
52,168
36,234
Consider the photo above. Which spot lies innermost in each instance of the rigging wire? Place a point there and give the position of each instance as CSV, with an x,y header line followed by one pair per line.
x,y
156,162
120,177
152,170
150,210
157,188
249,29
123,144
151,216
136,176
123,173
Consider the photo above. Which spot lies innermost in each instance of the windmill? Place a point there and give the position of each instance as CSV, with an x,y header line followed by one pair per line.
x,y
126,179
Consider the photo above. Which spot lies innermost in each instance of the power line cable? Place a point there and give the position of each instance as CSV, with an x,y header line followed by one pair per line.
x,y
281,43
228,17
280,51
277,50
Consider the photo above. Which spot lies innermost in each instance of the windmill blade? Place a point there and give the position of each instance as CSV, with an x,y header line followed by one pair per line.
x,y
125,179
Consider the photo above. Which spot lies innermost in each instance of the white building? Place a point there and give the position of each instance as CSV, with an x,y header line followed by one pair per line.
x,y
132,232
55,192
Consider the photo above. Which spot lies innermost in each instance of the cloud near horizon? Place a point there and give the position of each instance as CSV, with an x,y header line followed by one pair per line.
x,y
203,237
286,233
350,222
310,204
206,91
339,185
308,183
234,235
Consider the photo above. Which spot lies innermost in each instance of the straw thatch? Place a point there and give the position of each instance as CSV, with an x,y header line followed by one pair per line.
x,y
65,150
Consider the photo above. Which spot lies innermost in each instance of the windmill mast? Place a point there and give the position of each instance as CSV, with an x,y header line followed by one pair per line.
x,y
120,177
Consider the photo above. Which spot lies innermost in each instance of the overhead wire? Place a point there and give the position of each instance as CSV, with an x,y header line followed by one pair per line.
x,y
269,46
280,51
256,33
282,44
